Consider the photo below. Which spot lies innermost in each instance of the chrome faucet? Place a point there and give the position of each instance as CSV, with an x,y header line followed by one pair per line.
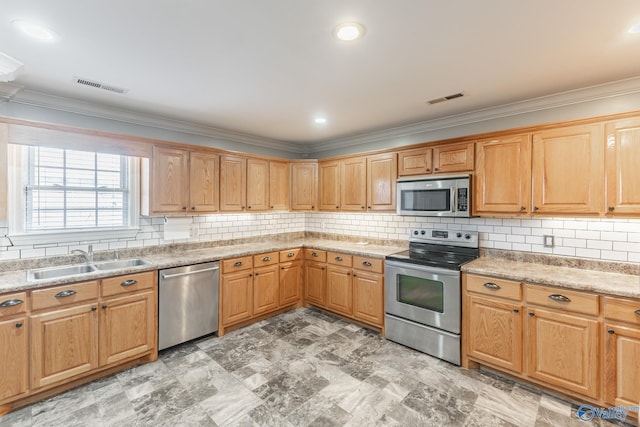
x,y
88,256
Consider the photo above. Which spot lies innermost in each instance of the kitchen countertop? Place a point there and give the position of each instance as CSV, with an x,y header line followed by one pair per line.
x,y
17,280
625,285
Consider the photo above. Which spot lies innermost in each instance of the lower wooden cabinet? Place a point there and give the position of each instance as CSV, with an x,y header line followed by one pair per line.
x,y
236,294
315,274
290,282
266,290
368,297
339,289
14,356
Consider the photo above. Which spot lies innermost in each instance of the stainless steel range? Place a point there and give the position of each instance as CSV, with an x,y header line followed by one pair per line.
x,y
423,291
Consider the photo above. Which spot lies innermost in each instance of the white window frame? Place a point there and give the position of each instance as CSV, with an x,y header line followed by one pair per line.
x,y
17,204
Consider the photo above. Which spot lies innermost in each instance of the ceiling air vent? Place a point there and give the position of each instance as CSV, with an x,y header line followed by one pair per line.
x,y
98,85
446,98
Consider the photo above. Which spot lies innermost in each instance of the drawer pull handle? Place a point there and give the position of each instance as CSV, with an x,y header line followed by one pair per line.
x,y
338,258
237,263
637,312
560,298
12,302
130,282
290,254
267,258
66,293
366,264
611,331
490,285
19,325
315,254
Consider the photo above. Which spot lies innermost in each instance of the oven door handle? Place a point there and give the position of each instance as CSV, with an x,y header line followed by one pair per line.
x,y
427,269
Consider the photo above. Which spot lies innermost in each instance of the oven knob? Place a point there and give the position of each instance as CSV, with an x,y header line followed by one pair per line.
x,y
423,232
458,235
467,236
415,232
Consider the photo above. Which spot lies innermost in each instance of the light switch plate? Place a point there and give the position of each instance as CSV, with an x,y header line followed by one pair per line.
x,y
548,241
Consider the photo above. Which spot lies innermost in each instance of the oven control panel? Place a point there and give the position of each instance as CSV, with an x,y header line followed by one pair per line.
x,y
445,237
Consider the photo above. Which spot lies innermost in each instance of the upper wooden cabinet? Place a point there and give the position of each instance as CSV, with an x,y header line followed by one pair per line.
x,y
258,185
568,170
622,171
438,159
359,183
182,181
279,185
304,186
503,176
233,183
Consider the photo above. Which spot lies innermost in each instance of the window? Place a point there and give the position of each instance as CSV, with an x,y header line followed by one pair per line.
x,y
65,191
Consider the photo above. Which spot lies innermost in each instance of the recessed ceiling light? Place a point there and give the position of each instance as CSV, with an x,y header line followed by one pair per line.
x,y
34,30
320,120
635,29
348,31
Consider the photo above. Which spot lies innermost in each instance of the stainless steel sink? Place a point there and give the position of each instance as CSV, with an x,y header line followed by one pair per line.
x,y
56,272
124,263
80,269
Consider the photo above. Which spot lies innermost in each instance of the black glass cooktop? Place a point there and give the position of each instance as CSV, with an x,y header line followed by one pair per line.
x,y
449,257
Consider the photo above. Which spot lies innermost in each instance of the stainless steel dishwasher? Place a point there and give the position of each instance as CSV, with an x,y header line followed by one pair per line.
x,y
188,303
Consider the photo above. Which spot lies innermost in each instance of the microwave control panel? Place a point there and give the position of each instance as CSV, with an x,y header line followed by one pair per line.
x,y
463,199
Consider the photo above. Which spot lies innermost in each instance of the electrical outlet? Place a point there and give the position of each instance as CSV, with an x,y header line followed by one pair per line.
x,y
548,241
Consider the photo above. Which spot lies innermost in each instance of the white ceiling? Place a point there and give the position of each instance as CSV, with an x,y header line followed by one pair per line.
x,y
267,68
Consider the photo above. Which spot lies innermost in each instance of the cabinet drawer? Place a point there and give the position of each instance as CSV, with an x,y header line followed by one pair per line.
x,y
290,255
127,283
237,264
339,259
11,304
563,299
493,286
268,258
63,295
315,255
367,264
624,310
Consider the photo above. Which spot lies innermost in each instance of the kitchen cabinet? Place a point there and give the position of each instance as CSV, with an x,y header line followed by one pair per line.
x,y
329,185
446,158
258,185
182,180
568,170
233,183
493,317
315,275
14,355
621,351
622,171
368,290
236,291
266,283
339,289
503,176
417,161
290,276
382,173
353,184
304,186
279,185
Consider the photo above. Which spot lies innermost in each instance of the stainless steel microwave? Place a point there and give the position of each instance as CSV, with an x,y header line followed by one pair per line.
x,y
440,195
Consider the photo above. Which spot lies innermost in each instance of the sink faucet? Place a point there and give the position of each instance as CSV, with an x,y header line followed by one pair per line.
x,y
88,256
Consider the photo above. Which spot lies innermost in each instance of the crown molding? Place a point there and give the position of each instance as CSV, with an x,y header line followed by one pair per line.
x,y
562,99
8,91
53,102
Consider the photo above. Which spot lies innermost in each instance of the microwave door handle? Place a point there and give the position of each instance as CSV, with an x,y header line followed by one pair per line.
x,y
454,199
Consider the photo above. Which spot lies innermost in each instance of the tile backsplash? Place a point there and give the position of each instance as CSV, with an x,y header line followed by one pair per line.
x,y
604,239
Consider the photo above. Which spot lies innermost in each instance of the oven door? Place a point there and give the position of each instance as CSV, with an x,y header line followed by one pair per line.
x,y
427,295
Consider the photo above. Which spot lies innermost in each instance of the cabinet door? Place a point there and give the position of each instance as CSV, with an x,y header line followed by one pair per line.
x,y
623,173
415,162
339,289
368,294
353,184
304,186
14,358
265,289
257,185
329,183
453,158
204,182
568,170
290,280
127,327
315,282
169,182
621,362
503,175
279,186
563,350
494,332
382,173
64,343
237,296
233,184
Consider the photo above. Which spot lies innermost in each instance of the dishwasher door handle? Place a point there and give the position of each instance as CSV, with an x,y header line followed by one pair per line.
x,y
171,276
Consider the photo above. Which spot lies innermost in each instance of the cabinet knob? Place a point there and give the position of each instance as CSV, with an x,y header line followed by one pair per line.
x,y
271,207
313,207
362,207
428,170
611,331
515,310
193,208
531,314
250,275
321,268
368,207
535,208
611,208
436,169
281,268
104,306
354,275
241,207
184,208
315,254
348,274
248,207
337,207
19,325
256,274
522,208
94,308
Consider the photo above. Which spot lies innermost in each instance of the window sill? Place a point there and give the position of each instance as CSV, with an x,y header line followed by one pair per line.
x,y
72,236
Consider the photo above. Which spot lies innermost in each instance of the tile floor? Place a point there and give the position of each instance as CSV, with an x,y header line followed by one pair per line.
x,y
301,368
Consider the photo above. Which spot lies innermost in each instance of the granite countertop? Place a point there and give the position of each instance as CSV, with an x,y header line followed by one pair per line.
x,y
14,281
605,282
